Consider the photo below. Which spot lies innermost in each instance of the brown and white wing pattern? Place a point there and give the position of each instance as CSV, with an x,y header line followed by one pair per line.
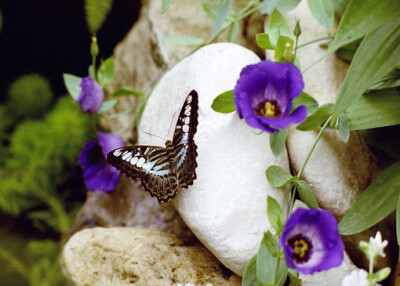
x,y
150,164
184,147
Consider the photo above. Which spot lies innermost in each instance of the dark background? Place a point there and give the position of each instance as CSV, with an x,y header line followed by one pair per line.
x,y
50,37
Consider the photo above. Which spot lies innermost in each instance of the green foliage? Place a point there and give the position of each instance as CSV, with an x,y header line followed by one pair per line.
x,y
250,273
275,214
378,55
188,41
72,83
282,6
40,153
165,5
277,26
96,13
29,96
278,177
222,12
362,17
375,109
375,203
277,141
105,73
317,118
323,11
264,42
308,101
126,91
224,103
306,195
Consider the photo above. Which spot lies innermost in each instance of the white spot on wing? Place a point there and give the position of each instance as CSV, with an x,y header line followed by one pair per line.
x,y
140,162
185,128
187,120
126,155
189,99
117,153
134,160
187,112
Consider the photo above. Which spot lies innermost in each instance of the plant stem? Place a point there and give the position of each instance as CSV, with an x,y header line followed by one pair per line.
x,y
277,270
314,41
315,144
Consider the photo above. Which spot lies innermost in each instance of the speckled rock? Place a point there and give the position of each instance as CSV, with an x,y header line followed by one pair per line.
x,y
226,206
133,256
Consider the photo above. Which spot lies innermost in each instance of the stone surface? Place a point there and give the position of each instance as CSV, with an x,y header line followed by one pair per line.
x,y
226,206
337,172
133,256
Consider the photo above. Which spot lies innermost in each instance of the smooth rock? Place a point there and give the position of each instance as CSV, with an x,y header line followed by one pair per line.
x,y
226,206
133,256
337,172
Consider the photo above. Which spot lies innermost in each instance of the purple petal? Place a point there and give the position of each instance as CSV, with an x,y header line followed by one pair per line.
x,y
97,173
109,142
271,82
91,96
319,227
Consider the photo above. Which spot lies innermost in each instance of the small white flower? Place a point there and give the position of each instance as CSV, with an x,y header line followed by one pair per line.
x,y
356,278
377,245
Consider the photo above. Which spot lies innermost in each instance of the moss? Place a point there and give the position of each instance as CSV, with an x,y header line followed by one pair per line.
x,y
29,96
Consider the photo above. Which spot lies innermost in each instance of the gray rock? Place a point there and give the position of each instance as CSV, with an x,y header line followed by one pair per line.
x,y
133,256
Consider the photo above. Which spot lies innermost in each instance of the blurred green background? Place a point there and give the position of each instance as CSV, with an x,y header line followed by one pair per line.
x,y
42,131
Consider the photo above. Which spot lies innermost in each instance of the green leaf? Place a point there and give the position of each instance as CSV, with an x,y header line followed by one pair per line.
x,y
233,31
96,12
126,91
275,214
362,17
317,118
323,11
224,103
222,12
165,5
375,203
378,54
372,110
278,177
281,46
188,41
271,244
91,71
294,277
250,273
277,26
398,220
344,129
267,6
277,141
381,274
306,195
107,105
105,74
348,51
266,264
390,80
263,41
72,83
304,99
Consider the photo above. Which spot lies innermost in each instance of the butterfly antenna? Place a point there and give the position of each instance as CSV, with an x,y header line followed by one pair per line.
x,y
154,135
172,121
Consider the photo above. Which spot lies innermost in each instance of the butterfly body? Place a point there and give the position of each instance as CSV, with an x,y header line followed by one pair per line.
x,y
164,171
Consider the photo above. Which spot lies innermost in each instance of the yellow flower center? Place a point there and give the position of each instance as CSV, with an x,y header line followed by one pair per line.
x,y
300,248
269,110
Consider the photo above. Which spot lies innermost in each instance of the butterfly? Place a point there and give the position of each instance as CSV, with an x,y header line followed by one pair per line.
x,y
164,171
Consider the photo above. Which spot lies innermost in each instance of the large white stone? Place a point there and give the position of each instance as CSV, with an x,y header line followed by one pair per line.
x,y
226,206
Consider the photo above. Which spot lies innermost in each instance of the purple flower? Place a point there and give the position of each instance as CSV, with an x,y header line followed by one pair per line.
x,y
311,241
91,96
97,173
264,92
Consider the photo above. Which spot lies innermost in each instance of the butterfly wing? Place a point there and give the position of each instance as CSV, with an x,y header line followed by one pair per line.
x,y
184,147
149,163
